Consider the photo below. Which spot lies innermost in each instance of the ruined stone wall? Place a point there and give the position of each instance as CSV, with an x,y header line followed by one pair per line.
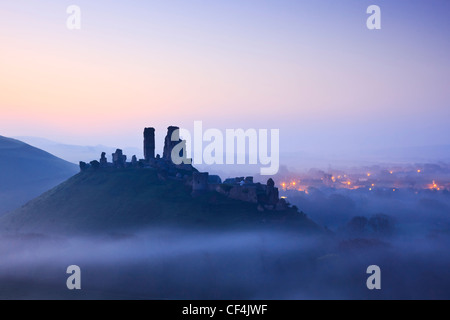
x,y
244,193
169,144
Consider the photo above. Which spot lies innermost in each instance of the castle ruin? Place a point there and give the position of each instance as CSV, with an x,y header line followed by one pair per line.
x,y
266,197
149,143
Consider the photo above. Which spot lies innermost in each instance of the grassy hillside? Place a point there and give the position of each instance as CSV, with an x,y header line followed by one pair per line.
x,y
26,172
117,200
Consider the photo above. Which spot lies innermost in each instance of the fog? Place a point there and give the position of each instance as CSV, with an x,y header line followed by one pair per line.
x,y
425,213
263,264
405,231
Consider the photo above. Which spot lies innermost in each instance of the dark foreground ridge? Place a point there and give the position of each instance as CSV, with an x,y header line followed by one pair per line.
x,y
125,196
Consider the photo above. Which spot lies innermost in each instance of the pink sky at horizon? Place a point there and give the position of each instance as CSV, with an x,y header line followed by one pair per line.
x,y
105,83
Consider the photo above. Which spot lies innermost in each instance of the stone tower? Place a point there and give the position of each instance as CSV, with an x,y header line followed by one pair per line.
x,y
272,192
149,143
169,144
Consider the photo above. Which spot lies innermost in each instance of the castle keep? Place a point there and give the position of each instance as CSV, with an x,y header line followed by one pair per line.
x,y
266,197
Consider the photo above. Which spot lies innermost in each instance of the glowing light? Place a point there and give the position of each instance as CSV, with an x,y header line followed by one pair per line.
x,y
393,190
293,183
370,189
349,183
283,197
434,185
369,174
373,184
391,172
419,171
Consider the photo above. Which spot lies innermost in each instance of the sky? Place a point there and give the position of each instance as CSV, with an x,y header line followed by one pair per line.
x,y
309,68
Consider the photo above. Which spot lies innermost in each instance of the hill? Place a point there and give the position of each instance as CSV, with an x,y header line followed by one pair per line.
x,y
74,153
26,172
118,200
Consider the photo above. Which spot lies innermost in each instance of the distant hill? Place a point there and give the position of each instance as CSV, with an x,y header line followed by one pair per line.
x,y
26,172
113,200
76,153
